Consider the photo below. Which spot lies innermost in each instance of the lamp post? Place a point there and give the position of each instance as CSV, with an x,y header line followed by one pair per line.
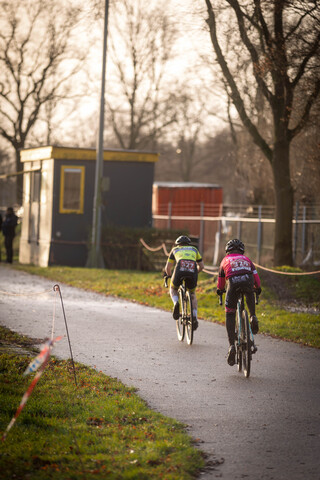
x,y
95,258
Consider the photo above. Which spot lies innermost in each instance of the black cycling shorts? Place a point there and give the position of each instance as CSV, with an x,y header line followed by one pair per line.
x,y
237,284
184,269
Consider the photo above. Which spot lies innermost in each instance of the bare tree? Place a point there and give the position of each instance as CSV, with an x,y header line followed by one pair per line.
x,y
190,130
138,93
7,186
38,58
281,39
305,156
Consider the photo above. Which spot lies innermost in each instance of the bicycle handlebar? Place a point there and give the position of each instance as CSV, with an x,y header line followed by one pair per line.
x,y
166,280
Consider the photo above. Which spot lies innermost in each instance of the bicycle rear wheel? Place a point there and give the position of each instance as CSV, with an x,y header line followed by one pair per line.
x,y
246,344
188,317
179,323
238,341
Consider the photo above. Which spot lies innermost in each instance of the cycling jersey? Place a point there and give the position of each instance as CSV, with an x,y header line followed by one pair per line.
x,y
235,264
241,274
186,258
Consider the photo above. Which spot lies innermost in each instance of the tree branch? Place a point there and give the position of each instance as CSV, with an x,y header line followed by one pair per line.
x,y
236,97
299,22
305,116
251,49
264,26
303,65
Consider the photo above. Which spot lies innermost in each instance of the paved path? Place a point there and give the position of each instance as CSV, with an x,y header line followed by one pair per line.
x,y
265,427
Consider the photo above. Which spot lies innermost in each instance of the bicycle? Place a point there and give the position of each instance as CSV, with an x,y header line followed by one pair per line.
x,y
185,323
245,346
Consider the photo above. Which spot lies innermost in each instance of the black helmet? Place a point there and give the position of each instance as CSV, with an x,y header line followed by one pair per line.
x,y
183,240
233,245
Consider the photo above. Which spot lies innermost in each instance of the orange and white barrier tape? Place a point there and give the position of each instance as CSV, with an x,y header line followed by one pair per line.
x,y
39,363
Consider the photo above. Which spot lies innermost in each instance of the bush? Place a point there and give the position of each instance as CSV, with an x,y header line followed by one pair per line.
x,y
122,249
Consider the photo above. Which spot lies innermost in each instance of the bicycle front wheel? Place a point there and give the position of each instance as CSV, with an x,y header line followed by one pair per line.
x,y
189,319
246,344
180,323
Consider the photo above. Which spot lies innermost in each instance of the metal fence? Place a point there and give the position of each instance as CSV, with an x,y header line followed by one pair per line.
x,y
254,224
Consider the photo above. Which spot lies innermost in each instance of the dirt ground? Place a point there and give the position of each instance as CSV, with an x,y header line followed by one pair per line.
x,y
285,289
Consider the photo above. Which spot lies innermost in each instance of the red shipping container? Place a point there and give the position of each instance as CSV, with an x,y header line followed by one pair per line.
x,y
186,199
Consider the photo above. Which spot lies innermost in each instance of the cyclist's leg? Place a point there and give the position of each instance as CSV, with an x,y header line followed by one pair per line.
x,y
251,303
194,309
230,308
174,294
230,326
191,283
194,302
175,299
174,285
247,287
246,284
252,308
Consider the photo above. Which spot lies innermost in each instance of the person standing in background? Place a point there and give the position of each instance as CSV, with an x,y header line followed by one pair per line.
x,y
9,231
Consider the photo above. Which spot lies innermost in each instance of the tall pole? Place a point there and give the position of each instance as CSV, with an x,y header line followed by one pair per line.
x,y
95,259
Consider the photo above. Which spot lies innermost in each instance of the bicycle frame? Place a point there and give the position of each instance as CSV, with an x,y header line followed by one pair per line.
x,y
245,345
240,309
185,321
186,312
182,290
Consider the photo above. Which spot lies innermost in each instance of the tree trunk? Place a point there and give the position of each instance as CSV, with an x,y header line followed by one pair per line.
x,y
284,202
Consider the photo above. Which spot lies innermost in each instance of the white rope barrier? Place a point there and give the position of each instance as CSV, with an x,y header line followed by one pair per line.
x,y
156,249
163,246
287,273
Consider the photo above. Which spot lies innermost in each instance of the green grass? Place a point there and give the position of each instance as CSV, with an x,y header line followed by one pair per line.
x,y
97,429
147,288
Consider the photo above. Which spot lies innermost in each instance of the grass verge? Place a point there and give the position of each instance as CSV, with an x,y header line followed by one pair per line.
x,y
147,288
98,429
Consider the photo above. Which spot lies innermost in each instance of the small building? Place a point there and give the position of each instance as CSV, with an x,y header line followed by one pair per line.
x,y
58,194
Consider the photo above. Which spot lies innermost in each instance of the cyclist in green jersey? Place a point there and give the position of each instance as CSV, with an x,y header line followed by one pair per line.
x,y
188,262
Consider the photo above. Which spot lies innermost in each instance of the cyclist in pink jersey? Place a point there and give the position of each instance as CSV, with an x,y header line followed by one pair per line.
x,y
240,273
